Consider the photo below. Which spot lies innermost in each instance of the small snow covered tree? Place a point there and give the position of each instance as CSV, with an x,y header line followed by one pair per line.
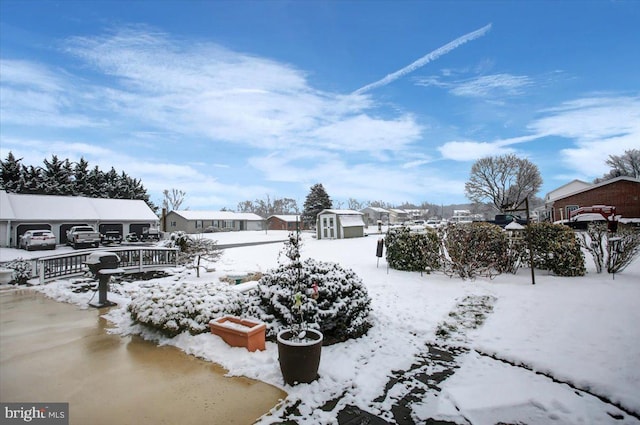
x,y
194,249
313,294
316,201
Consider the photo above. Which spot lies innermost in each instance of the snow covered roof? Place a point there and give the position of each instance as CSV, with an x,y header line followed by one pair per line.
x,y
341,212
217,215
377,209
286,218
575,187
72,208
514,225
351,221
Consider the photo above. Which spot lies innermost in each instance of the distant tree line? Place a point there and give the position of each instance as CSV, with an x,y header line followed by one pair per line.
x,y
66,178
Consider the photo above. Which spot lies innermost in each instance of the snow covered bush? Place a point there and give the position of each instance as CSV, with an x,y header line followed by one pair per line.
x,y
320,295
594,240
184,306
556,248
475,249
21,270
623,248
412,251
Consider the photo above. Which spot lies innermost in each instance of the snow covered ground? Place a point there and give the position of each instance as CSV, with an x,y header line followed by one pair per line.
x,y
581,334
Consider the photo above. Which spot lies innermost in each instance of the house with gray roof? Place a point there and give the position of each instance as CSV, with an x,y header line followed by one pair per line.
x,y
374,214
212,221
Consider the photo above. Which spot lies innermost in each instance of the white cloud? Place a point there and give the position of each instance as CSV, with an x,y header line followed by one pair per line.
x,y
599,127
492,85
471,151
485,86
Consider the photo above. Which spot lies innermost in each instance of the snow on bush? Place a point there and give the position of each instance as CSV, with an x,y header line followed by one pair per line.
x,y
320,295
556,248
615,250
21,270
412,251
477,249
184,306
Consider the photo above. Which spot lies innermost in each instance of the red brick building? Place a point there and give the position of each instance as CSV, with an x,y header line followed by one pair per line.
x,y
284,222
621,192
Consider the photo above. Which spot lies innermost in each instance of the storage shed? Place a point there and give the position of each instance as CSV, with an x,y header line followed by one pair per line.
x,y
339,224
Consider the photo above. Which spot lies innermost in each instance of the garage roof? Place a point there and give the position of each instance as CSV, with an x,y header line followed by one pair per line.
x,y
21,207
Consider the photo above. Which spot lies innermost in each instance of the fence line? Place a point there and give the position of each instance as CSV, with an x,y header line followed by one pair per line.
x,y
131,259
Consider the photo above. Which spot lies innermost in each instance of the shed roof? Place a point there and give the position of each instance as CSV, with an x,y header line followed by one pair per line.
x,y
351,221
24,207
286,217
376,209
217,215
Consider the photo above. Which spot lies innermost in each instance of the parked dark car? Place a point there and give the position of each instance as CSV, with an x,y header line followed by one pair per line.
x,y
132,237
110,237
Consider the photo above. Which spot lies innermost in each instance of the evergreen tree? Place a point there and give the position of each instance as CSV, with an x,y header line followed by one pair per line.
x,y
316,201
32,182
11,174
81,185
97,183
59,177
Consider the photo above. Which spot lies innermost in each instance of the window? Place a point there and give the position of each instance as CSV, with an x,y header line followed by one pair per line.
x,y
173,224
199,224
568,210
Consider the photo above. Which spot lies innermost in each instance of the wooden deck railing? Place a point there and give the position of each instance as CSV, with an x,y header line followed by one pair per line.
x,y
132,259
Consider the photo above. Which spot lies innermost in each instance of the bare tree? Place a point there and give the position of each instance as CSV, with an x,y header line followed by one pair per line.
x,y
173,199
503,180
354,204
267,207
627,164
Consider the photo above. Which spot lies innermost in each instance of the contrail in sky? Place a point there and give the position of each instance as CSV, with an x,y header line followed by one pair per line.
x,y
425,59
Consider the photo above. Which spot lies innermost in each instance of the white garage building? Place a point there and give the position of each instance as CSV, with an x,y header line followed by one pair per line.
x,y
19,213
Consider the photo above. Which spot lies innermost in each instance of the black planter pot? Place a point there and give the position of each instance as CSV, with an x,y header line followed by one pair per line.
x,y
299,360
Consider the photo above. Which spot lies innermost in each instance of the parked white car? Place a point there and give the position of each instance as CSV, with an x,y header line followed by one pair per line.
x,y
32,239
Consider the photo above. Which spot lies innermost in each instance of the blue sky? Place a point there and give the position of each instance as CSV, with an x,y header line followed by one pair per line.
x,y
232,101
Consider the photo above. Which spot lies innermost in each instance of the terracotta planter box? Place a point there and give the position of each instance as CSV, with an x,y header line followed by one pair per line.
x,y
238,332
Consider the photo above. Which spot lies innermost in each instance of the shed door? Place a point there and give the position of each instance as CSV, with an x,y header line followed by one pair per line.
x,y
328,227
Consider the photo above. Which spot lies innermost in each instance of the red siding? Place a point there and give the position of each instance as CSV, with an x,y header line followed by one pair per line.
x,y
623,194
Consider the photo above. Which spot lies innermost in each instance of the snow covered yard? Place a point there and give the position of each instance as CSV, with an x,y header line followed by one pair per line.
x,y
580,330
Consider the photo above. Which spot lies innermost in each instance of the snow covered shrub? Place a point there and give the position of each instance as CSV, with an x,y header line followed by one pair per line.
x,y
21,271
412,251
475,249
594,240
175,307
623,247
556,248
320,295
